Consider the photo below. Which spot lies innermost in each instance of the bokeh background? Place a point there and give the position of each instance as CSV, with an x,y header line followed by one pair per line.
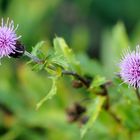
x,y
93,29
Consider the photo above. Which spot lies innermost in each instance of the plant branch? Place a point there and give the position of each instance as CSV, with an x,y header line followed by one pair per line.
x,y
77,76
34,58
64,72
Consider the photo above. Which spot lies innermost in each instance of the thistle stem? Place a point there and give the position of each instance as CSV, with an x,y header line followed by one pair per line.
x,y
34,58
137,93
77,76
114,116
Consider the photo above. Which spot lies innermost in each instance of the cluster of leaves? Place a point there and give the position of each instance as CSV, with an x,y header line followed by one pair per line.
x,y
61,58
55,61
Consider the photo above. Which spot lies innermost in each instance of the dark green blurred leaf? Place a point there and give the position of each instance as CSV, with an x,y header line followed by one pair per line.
x,y
114,42
89,67
80,39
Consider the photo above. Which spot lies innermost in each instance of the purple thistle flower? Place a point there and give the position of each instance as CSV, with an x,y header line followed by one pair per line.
x,y
130,67
8,38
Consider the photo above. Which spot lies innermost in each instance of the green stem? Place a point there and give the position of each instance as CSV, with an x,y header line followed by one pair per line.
x,y
34,58
77,76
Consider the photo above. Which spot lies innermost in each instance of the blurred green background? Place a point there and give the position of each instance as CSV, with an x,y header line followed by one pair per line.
x,y
97,31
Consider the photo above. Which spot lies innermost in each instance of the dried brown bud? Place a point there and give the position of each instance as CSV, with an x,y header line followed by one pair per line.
x,y
75,112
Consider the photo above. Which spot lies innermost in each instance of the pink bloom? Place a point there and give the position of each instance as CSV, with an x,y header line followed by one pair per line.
x,y
8,38
130,67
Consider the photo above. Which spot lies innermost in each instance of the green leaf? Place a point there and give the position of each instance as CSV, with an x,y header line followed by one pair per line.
x,y
63,50
90,67
51,93
94,110
60,61
113,43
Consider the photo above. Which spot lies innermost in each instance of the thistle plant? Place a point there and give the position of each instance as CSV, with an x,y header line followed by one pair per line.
x,y
61,61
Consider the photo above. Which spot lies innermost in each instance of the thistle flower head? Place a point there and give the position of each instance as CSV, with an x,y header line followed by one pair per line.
x,y
8,38
130,67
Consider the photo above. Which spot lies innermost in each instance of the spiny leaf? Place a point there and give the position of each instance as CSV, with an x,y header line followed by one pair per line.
x,y
94,110
51,93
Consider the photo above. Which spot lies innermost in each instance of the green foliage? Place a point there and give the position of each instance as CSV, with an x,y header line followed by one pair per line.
x,y
89,66
61,57
25,88
64,59
114,42
93,112
54,62
80,39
